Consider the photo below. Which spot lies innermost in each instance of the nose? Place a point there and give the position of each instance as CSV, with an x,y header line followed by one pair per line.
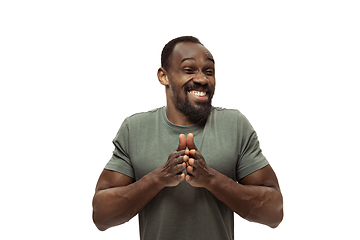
x,y
200,78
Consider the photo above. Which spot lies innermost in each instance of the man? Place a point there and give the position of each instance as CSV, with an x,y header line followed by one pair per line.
x,y
185,168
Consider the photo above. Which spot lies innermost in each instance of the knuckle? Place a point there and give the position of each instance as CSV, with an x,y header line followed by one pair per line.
x,y
180,167
179,160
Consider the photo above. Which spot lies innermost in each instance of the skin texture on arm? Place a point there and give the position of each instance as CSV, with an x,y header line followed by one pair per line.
x,y
118,198
256,197
267,203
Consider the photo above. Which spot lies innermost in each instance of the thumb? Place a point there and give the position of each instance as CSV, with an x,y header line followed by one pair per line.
x,y
182,143
190,141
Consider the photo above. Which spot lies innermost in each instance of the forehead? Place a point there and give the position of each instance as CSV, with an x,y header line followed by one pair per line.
x,y
190,50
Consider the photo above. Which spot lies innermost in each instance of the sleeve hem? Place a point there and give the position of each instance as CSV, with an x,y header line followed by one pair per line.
x,y
247,171
115,168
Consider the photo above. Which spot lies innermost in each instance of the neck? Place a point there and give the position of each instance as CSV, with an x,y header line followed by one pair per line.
x,y
177,117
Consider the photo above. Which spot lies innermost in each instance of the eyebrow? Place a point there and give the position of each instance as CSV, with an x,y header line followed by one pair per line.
x,y
210,59
188,59
193,59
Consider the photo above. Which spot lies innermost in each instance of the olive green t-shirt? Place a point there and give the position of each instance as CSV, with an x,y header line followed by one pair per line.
x,y
228,144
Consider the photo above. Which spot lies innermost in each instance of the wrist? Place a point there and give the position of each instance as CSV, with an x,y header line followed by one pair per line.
x,y
216,181
211,182
155,180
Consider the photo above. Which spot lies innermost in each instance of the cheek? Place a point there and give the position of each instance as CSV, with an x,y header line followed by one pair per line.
x,y
175,91
213,84
175,87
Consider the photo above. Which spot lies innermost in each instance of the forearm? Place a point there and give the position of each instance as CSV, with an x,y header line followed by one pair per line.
x,y
115,206
260,204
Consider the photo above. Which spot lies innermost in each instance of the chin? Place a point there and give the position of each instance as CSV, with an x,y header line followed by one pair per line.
x,y
197,112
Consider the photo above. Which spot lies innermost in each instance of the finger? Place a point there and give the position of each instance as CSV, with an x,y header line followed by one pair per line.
x,y
186,158
181,160
195,154
190,141
191,161
190,169
182,143
175,155
181,177
192,152
188,178
179,168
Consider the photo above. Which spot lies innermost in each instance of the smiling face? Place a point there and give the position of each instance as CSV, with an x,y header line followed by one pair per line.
x,y
190,80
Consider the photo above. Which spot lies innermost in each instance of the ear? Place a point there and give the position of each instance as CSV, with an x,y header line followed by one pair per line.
x,y
163,76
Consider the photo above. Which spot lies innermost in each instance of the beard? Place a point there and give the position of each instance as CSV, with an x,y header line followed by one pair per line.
x,y
195,111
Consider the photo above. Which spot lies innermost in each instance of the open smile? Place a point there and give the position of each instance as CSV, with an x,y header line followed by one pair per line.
x,y
199,96
198,93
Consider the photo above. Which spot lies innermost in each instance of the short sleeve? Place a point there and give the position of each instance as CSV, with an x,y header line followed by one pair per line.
x,y
120,160
251,157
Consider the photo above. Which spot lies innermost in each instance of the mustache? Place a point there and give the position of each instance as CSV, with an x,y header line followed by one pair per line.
x,y
197,87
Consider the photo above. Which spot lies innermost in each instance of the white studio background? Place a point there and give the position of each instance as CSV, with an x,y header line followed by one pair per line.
x,y
71,71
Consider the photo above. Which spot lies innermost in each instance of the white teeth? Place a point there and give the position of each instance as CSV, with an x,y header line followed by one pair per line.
x,y
197,93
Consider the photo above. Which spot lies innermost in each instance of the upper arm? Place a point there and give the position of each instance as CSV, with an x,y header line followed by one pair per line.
x,y
111,179
263,177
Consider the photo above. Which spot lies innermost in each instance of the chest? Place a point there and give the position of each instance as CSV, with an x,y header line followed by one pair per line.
x,y
151,153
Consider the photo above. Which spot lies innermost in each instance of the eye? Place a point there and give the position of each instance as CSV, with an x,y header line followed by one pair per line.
x,y
209,72
188,70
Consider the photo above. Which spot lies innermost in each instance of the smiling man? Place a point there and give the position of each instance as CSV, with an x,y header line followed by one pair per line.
x,y
187,167
190,89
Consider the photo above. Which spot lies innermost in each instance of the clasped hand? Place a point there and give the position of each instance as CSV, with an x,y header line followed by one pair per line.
x,y
198,172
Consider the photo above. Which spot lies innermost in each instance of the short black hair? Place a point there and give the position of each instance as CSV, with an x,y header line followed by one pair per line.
x,y
169,47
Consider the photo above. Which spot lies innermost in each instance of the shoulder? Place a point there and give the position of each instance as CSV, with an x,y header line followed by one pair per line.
x,y
136,122
144,117
230,118
220,113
